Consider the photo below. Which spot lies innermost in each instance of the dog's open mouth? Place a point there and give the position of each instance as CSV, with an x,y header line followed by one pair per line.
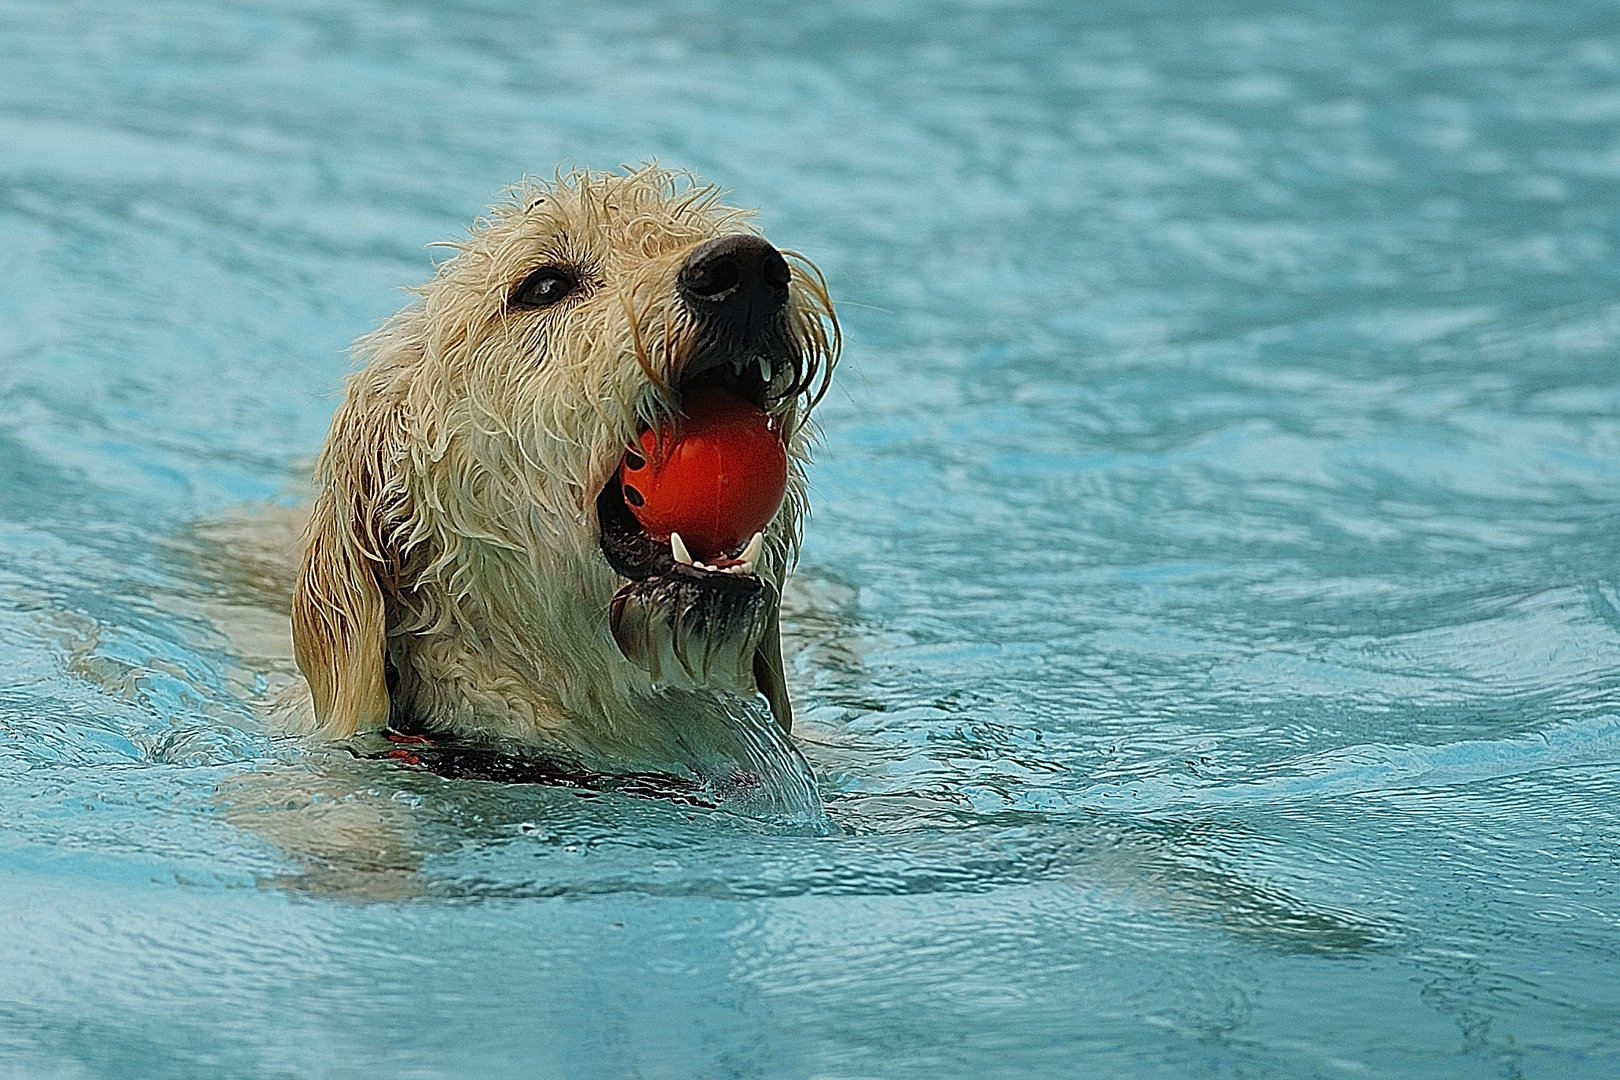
x,y
709,621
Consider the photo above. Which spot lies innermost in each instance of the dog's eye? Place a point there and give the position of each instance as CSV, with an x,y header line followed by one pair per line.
x,y
545,286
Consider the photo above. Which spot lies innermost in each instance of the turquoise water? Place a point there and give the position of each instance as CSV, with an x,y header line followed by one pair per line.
x,y
1207,635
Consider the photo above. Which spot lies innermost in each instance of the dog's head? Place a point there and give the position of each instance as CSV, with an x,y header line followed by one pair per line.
x,y
471,524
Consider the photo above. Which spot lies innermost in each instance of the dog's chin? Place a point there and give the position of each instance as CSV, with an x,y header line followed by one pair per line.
x,y
687,624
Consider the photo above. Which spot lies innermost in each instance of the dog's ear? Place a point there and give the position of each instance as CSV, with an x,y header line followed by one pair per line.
x,y
339,636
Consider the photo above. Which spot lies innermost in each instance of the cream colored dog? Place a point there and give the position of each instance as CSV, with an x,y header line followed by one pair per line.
x,y
470,567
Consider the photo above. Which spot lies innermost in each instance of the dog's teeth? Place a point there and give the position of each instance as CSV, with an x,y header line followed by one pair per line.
x,y
765,368
737,366
677,547
750,554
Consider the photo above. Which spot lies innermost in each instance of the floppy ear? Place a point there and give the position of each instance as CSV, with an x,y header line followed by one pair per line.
x,y
338,613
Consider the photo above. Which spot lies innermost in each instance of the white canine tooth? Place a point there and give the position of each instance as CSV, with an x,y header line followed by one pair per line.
x,y
750,553
765,368
737,366
677,547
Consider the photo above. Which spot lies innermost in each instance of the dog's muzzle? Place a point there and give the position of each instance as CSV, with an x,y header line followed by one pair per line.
x,y
689,624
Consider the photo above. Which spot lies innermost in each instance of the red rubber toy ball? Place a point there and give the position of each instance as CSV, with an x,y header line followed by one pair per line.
x,y
717,482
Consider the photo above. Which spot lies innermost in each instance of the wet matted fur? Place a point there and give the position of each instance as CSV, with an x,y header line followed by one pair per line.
x,y
470,567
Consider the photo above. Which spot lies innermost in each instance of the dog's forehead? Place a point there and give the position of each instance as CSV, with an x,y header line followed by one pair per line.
x,y
640,216
612,229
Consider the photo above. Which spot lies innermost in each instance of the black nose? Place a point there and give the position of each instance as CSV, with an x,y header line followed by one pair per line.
x,y
736,279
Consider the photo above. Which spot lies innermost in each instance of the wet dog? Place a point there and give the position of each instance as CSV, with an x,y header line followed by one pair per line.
x,y
471,568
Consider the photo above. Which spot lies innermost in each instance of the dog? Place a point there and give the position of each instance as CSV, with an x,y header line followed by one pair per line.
x,y
471,570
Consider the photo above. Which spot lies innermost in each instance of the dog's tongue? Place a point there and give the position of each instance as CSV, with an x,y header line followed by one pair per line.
x,y
717,482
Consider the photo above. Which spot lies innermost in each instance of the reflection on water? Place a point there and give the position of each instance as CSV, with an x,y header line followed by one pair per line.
x,y
364,833
1205,643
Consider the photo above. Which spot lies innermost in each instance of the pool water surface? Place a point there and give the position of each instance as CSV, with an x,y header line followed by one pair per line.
x,y
1207,638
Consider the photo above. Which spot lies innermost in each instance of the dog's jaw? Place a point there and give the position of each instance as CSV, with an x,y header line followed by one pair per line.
x,y
687,625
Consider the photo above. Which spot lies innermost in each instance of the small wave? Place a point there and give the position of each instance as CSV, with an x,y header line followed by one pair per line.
x,y
1367,769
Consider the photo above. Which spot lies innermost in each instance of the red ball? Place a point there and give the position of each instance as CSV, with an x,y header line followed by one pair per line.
x,y
717,482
